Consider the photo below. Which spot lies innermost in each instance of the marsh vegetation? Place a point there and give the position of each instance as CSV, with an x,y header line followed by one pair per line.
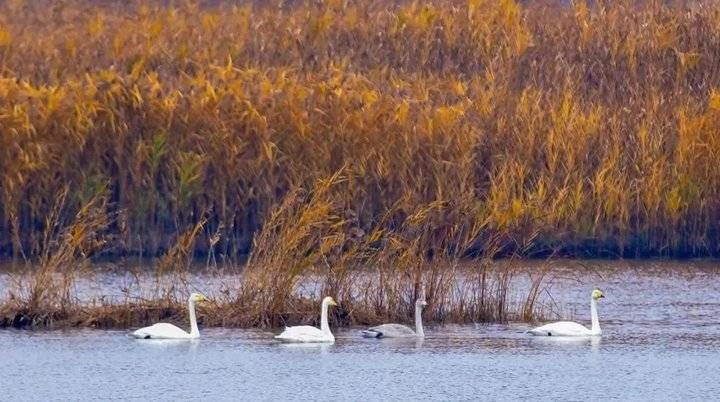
x,y
334,138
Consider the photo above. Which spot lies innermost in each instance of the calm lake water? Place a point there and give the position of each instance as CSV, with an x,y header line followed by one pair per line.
x,y
661,341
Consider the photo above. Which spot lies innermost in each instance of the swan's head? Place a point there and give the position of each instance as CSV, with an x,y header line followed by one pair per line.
x,y
329,301
198,297
420,303
598,294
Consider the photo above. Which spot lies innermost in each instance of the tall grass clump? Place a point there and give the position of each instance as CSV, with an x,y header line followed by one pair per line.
x,y
313,245
48,293
589,128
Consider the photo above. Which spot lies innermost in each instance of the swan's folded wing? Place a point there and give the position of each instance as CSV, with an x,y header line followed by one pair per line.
x,y
393,331
304,333
160,331
370,333
562,328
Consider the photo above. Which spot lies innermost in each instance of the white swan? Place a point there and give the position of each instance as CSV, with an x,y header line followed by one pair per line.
x,y
567,328
306,333
169,331
398,330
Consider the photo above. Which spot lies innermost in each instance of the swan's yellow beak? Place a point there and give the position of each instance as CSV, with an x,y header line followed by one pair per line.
x,y
332,302
201,298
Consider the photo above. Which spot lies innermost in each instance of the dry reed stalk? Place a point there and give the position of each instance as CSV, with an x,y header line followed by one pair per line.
x,y
49,293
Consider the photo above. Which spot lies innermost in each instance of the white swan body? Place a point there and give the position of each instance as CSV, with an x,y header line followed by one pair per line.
x,y
169,331
567,328
563,328
398,330
306,333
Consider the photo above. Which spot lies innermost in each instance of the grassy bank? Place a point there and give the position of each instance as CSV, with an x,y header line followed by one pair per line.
x,y
593,130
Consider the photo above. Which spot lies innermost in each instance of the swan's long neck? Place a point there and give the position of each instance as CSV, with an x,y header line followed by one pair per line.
x,y
194,333
418,321
594,316
324,327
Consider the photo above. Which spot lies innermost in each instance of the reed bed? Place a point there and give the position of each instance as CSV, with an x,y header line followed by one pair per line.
x,y
305,250
328,138
587,127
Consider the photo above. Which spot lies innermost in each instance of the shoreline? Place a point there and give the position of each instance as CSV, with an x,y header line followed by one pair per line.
x,y
127,316
108,300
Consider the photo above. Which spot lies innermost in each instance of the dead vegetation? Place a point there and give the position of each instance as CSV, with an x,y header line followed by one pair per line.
x,y
586,128
377,147
305,249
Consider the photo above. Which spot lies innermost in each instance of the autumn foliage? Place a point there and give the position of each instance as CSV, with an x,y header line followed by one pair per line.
x,y
592,128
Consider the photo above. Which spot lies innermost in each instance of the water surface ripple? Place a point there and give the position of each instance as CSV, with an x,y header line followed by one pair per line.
x,y
661,342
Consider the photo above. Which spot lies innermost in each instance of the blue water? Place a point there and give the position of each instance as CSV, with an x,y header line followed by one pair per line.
x,y
460,363
661,341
